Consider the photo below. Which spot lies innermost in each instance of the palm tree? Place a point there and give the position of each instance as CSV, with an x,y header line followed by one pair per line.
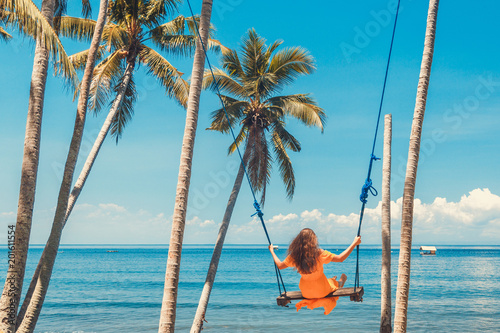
x,y
403,288
169,302
253,78
385,292
45,266
38,24
129,28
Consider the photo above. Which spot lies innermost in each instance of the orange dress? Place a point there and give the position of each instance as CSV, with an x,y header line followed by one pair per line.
x,y
315,286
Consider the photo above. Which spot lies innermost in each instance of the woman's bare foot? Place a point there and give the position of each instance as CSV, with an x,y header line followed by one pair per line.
x,y
342,280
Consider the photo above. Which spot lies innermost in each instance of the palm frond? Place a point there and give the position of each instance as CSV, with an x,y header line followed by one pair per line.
x,y
286,138
114,37
86,9
167,74
259,162
285,165
251,53
239,139
173,38
30,21
177,26
158,9
118,11
235,111
231,63
106,75
290,63
178,45
301,107
225,82
76,28
4,35
125,109
79,60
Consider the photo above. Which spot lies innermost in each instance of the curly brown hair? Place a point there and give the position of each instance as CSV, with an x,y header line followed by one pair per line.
x,y
304,251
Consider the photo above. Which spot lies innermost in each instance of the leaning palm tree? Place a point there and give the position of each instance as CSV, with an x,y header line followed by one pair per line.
x,y
28,316
403,288
169,301
130,28
29,20
254,77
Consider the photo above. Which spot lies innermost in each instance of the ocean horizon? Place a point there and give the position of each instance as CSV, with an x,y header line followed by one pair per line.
x,y
93,290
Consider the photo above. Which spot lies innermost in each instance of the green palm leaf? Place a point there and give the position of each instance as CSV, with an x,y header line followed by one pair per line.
x,y
79,60
30,21
125,109
114,37
285,164
5,35
290,63
287,140
234,109
106,75
239,139
259,163
225,82
76,28
158,9
167,74
301,107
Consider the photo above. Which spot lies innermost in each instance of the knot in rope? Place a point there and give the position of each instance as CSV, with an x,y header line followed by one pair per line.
x,y
367,186
258,212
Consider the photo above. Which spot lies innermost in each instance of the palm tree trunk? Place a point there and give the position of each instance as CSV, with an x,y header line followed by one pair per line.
x,y
49,255
400,316
169,302
385,317
11,294
214,263
82,178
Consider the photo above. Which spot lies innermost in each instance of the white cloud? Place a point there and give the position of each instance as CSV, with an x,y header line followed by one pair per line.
x,y
474,219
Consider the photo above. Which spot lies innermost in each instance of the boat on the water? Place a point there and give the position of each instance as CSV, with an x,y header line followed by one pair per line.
x,y
428,250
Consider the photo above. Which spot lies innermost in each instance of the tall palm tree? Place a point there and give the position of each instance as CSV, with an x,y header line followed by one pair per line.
x,y
169,302
130,27
38,24
253,78
403,288
385,292
44,269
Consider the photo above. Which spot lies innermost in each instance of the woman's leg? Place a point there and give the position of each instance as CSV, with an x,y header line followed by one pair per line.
x,y
342,280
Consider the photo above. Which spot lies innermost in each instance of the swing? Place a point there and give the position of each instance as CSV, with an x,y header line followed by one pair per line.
x,y
355,293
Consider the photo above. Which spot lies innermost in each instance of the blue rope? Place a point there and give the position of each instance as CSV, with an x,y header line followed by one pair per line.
x,y
256,205
367,186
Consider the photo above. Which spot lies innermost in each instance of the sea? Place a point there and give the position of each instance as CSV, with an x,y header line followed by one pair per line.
x,y
114,288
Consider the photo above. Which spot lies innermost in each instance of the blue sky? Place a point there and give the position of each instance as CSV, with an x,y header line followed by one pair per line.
x,y
130,194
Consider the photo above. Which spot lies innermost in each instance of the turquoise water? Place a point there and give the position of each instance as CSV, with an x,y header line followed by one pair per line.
x,y
97,291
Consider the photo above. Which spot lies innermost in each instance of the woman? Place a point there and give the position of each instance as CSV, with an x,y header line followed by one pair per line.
x,y
307,258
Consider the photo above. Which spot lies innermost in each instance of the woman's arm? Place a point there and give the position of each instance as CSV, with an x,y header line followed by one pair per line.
x,y
277,261
343,256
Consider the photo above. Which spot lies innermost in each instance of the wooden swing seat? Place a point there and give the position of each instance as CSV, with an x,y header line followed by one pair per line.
x,y
356,296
